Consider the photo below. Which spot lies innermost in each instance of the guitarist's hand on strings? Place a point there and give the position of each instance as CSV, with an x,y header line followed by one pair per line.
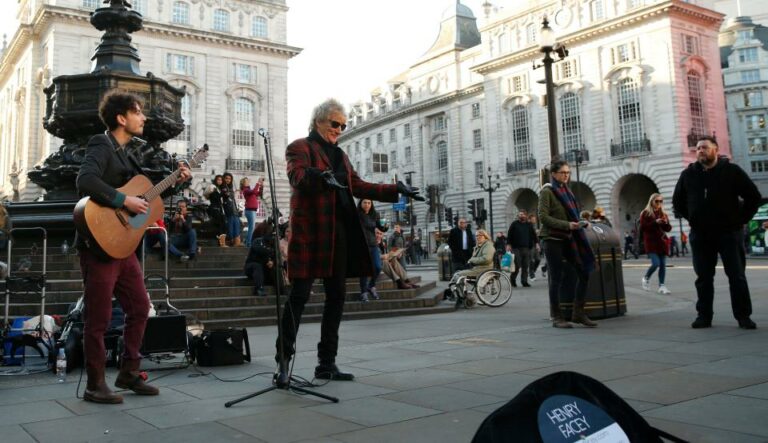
x,y
136,205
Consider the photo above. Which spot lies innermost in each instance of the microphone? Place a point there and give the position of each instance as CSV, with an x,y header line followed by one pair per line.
x,y
263,133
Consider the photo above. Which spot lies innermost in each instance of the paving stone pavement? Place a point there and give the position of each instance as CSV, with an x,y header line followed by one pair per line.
x,y
435,378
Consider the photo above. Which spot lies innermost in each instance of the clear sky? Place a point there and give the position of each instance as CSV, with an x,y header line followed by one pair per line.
x,y
349,46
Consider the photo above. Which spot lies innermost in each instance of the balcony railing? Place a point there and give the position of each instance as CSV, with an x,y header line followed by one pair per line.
x,y
577,156
245,164
693,138
524,164
631,147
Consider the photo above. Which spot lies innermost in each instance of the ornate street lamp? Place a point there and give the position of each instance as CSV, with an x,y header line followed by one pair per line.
x,y
491,189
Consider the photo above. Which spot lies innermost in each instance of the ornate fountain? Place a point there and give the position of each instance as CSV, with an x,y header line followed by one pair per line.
x,y
72,115
73,100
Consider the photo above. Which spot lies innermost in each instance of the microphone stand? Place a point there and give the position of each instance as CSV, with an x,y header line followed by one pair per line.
x,y
278,278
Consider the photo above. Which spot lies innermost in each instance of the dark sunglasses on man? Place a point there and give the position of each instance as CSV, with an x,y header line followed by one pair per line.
x,y
337,125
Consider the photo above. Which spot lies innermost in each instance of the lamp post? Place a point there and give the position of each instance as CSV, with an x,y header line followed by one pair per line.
x,y
578,159
490,189
409,180
547,45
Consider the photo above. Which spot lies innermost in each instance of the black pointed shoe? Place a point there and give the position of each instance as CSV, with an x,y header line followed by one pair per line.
x,y
702,322
282,377
329,371
747,323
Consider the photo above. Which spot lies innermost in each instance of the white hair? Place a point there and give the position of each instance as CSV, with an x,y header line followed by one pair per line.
x,y
324,110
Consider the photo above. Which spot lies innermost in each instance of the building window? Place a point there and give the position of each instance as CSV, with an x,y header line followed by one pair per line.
x,y
186,114
623,53
477,139
438,123
408,155
530,33
243,133
393,159
566,69
632,4
140,6
244,73
760,166
597,9
503,45
180,64
259,27
367,143
406,130
221,20
755,121
379,138
392,135
357,148
475,110
442,162
380,163
747,55
753,99
517,83
696,104
520,133
630,121
690,44
744,35
478,172
180,15
570,119
90,4
750,76
758,145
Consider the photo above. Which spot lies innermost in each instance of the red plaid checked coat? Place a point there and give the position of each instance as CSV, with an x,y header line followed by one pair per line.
x,y
313,206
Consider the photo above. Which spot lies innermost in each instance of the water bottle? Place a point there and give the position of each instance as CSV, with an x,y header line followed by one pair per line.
x,y
65,248
61,366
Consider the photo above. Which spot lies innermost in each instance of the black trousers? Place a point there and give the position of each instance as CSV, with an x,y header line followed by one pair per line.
x,y
705,247
522,264
567,281
335,293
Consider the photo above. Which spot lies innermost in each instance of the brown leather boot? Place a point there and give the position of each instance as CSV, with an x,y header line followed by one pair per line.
x,y
579,316
222,240
558,321
236,242
96,389
130,378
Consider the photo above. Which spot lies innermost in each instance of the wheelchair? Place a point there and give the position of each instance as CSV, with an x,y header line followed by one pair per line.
x,y
491,288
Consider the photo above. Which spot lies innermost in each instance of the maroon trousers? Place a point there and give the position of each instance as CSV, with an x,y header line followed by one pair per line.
x,y
124,279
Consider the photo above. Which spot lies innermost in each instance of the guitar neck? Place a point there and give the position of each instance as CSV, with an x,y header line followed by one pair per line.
x,y
162,186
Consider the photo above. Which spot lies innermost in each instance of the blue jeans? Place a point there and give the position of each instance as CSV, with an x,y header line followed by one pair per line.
x,y
250,215
657,262
187,240
233,226
370,282
153,238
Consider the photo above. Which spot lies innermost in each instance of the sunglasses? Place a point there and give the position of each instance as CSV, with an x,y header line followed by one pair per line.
x,y
658,201
337,125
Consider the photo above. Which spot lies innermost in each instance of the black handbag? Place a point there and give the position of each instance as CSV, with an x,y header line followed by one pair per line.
x,y
221,347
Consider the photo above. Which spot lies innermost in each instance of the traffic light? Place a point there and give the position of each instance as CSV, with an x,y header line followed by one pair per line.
x,y
432,198
483,215
448,214
472,209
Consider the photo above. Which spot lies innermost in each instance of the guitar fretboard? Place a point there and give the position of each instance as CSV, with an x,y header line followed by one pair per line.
x,y
159,188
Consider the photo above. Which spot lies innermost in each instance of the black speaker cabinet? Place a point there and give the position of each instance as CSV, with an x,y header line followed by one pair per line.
x,y
165,333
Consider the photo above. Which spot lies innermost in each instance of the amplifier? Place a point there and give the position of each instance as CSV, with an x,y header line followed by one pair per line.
x,y
165,333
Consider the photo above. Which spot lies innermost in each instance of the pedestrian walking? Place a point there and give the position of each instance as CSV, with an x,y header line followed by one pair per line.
x,y
521,238
717,198
654,222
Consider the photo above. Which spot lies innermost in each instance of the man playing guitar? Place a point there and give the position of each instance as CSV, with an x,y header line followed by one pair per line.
x,y
107,166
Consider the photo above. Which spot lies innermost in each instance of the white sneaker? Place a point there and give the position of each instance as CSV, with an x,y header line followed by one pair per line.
x,y
646,284
663,290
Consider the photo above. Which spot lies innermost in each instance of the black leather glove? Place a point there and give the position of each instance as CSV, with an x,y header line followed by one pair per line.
x,y
409,191
330,179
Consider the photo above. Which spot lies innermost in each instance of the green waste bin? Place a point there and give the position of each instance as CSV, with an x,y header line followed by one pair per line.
x,y
444,264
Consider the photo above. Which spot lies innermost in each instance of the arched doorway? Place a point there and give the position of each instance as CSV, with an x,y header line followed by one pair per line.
x,y
522,198
630,195
584,195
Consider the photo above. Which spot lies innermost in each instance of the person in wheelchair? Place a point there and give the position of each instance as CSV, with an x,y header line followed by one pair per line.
x,y
481,261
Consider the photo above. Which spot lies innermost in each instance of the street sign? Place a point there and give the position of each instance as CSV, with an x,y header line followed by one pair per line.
x,y
400,206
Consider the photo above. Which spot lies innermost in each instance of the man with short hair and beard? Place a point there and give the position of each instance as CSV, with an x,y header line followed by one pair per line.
x,y
108,166
717,198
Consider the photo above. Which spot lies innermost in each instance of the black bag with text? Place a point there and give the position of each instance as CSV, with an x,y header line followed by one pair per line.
x,y
222,347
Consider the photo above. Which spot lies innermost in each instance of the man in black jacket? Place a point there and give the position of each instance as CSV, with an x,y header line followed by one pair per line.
x,y
461,242
718,198
521,237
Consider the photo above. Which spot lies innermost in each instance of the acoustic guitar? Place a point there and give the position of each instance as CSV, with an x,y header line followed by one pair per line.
x,y
117,232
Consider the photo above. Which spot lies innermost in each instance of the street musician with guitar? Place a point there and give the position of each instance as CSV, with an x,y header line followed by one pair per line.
x,y
110,224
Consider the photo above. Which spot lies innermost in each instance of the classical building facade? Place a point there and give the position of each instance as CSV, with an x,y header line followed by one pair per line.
x,y
744,58
230,55
640,83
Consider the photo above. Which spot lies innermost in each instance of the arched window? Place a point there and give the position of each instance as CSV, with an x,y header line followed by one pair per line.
x,y
243,133
630,119
442,163
180,14
259,27
221,20
570,119
521,140
696,104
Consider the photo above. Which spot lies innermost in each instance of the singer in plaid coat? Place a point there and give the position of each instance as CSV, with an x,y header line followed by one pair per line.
x,y
327,239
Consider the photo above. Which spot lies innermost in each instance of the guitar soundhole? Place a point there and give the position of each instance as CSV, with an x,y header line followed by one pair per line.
x,y
138,220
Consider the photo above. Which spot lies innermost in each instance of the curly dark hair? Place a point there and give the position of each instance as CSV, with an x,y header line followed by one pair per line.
x,y
117,102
